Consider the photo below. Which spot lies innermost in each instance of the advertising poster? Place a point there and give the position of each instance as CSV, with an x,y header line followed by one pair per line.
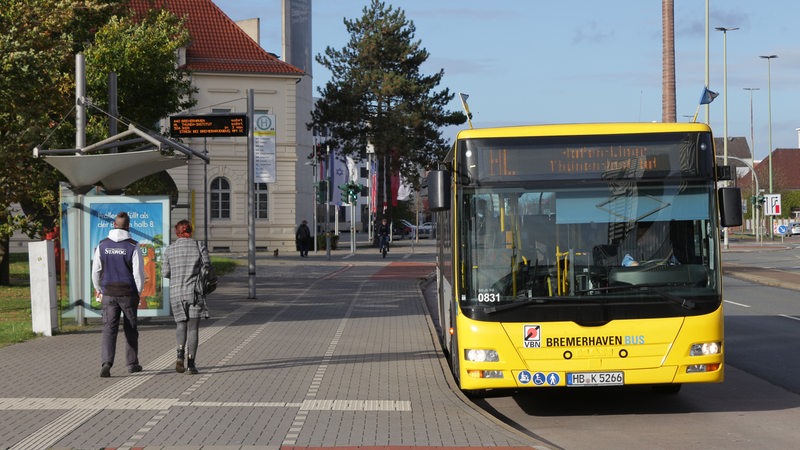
x,y
149,227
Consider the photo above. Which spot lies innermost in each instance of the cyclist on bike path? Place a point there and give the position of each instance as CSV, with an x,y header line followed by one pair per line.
x,y
383,234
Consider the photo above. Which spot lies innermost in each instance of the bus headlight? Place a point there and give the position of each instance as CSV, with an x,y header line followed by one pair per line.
x,y
481,355
707,348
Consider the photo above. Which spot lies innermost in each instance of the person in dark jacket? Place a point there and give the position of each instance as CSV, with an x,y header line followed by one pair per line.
x,y
182,262
118,279
303,239
384,232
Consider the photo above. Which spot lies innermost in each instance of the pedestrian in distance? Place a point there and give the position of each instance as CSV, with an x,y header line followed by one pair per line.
x,y
118,280
183,260
303,239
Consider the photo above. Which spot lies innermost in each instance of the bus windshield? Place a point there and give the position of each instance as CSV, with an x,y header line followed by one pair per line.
x,y
639,243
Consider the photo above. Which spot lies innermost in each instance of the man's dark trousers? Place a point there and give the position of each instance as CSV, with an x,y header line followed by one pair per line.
x,y
112,306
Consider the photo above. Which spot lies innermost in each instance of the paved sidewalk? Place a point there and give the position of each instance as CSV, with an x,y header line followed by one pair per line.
x,y
775,277
331,352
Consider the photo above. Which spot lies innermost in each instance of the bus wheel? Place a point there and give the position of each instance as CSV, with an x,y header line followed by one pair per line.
x,y
668,389
453,357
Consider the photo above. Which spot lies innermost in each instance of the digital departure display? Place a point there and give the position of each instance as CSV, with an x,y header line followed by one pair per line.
x,y
214,125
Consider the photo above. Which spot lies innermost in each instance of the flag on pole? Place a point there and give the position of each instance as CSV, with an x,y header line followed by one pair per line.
x,y
464,98
373,185
404,190
708,96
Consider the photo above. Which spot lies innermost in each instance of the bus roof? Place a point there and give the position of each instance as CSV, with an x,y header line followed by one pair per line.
x,y
583,129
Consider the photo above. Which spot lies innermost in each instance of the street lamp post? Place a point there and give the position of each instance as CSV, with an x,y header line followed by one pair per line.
x,y
725,104
769,106
707,105
725,90
752,146
314,192
751,166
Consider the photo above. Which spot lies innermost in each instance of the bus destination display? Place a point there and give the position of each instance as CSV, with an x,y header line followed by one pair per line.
x,y
531,159
221,125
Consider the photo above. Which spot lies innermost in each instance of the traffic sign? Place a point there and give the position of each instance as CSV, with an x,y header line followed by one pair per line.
x,y
772,204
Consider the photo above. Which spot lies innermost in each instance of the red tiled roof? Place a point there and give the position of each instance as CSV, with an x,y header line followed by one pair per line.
x,y
217,43
785,164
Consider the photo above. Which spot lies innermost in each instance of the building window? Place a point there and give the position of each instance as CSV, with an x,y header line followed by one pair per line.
x,y
220,198
262,201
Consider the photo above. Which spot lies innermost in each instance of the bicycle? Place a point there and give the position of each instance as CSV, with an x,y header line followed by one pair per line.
x,y
384,245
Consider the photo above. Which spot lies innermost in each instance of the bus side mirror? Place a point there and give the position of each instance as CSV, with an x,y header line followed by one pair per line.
x,y
730,206
439,190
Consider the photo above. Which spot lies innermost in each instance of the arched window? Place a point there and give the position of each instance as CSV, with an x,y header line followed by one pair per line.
x,y
220,198
262,201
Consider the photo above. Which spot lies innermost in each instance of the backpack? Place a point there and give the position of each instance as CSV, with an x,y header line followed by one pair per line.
x,y
206,280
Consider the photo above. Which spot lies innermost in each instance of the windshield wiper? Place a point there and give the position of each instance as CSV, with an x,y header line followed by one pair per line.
x,y
505,307
649,288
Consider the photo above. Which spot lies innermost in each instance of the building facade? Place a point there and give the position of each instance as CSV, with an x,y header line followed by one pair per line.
x,y
227,63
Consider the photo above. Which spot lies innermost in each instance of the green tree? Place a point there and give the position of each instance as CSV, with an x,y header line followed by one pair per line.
x,y
37,55
377,94
141,51
37,49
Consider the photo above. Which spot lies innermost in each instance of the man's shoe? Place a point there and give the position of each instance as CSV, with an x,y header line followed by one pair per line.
x,y
135,368
179,367
105,371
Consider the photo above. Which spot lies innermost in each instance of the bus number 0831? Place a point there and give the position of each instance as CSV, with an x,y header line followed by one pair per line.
x,y
488,297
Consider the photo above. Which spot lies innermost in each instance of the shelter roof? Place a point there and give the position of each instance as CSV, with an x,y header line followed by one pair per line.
x,y
151,154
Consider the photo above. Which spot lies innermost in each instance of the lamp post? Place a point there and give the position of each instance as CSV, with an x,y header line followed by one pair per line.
x,y
725,91
752,146
314,192
769,106
755,177
725,104
708,109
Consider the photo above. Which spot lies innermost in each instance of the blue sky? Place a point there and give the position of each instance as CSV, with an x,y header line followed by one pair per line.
x,y
536,61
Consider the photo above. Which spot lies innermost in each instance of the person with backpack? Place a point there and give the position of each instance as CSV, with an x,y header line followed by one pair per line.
x,y
303,239
183,261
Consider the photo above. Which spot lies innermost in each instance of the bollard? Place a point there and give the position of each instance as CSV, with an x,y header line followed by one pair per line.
x,y
328,244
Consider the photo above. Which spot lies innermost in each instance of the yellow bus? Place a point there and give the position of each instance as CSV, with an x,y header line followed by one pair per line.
x,y
582,255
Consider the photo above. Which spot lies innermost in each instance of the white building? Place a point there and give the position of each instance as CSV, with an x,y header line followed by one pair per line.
x,y
226,62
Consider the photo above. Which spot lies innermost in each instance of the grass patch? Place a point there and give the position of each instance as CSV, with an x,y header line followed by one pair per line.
x,y
15,303
223,266
15,299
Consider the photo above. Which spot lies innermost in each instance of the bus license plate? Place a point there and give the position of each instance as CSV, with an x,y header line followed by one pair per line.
x,y
595,379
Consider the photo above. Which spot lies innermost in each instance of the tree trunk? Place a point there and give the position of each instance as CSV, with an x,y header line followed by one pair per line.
x,y
5,278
